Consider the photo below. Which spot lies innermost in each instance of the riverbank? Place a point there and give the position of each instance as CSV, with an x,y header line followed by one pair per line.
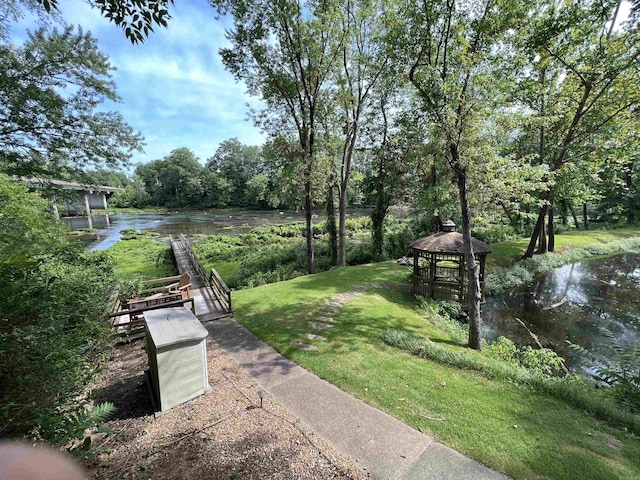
x,y
505,270
505,254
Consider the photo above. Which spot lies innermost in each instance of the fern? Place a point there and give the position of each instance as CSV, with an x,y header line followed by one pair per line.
x,y
619,371
78,423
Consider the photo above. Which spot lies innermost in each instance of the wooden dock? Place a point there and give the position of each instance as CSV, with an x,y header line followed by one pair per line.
x,y
212,296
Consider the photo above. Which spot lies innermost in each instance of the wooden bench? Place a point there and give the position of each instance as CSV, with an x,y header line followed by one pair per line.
x,y
137,306
179,284
144,303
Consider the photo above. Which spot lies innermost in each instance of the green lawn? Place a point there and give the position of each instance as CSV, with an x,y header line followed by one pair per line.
x,y
506,253
508,427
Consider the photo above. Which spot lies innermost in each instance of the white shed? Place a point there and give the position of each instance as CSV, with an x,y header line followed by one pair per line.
x,y
176,347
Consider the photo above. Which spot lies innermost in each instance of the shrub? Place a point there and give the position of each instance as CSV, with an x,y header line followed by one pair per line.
x,y
53,339
503,349
449,309
495,233
541,360
397,242
53,333
359,254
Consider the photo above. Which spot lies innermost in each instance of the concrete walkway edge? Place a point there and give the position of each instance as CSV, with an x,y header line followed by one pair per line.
x,y
380,444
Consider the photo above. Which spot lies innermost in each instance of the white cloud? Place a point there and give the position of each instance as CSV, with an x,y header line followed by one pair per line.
x,y
174,88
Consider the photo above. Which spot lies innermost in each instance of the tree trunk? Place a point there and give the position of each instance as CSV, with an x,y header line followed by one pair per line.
x,y
631,199
550,232
575,217
585,217
309,223
536,233
331,224
345,175
377,218
542,238
473,287
342,242
308,146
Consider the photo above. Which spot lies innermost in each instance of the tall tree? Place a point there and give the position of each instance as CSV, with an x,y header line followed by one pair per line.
x,y
284,51
237,163
177,180
363,62
585,66
449,50
394,140
51,89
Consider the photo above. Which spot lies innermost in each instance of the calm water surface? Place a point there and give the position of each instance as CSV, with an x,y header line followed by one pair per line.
x,y
209,222
577,302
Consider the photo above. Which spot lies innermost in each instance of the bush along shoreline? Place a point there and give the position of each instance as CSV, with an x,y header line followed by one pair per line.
x,y
523,272
274,253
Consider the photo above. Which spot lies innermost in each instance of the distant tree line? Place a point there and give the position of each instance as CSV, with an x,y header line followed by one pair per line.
x,y
237,175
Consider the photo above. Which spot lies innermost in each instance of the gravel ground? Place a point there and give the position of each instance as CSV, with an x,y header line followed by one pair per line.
x,y
222,434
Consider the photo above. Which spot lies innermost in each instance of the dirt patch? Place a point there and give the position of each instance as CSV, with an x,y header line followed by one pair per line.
x,y
222,434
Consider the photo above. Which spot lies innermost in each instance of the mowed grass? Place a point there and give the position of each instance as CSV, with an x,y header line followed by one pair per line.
x,y
505,254
142,259
510,428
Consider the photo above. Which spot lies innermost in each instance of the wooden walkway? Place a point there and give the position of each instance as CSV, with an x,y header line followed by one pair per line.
x,y
208,302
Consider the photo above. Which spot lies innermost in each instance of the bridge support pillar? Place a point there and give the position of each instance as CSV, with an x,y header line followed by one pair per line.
x,y
104,201
87,207
54,207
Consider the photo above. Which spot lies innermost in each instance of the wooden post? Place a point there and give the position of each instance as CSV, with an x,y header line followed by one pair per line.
x,y
461,279
416,271
432,274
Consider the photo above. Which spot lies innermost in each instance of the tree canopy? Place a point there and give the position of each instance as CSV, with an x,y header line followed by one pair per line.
x,y
50,91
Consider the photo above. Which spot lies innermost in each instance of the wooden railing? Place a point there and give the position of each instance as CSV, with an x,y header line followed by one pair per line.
x,y
220,290
218,287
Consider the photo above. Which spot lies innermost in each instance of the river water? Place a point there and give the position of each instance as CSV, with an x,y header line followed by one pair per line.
x,y
207,222
583,303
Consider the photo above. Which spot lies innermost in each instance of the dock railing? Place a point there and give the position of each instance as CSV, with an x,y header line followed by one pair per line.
x,y
213,281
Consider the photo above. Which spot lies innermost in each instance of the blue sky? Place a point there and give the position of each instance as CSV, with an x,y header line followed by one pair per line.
x,y
174,88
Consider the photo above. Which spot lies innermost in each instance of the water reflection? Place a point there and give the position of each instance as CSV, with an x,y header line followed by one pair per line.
x,y
577,302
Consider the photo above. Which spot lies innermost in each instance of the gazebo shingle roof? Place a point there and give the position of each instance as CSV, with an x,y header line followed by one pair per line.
x,y
448,242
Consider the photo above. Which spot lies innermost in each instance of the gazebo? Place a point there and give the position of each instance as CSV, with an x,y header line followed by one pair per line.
x,y
439,267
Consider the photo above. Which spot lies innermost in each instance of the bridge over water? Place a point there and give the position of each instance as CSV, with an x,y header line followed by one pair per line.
x,y
94,197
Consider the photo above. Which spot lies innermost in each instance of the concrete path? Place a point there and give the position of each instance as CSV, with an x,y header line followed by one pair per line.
x,y
374,440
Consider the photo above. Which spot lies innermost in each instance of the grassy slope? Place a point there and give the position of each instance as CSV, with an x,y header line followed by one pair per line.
x,y
510,428
138,259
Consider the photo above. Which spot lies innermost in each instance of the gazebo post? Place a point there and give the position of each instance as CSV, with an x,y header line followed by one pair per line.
x,y
461,279
416,272
432,273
